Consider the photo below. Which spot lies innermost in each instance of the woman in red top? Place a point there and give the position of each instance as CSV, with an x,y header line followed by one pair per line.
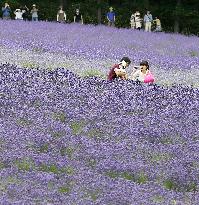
x,y
118,70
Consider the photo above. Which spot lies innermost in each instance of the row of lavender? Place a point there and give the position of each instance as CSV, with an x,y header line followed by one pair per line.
x,y
92,50
71,140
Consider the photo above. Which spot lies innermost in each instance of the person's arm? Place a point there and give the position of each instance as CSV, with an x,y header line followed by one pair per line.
x,y
135,75
114,17
145,18
151,17
27,8
107,17
64,16
82,19
57,16
74,19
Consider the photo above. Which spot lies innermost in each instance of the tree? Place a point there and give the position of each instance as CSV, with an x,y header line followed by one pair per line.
x,y
177,18
99,11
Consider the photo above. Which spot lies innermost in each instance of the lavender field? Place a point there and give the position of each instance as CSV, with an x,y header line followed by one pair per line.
x,y
69,136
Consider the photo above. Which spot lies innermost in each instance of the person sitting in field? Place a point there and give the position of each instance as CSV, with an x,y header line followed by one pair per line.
x,y
118,70
143,74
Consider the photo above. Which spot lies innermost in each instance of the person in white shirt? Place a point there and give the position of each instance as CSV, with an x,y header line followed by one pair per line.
x,y
142,74
18,14
132,21
138,20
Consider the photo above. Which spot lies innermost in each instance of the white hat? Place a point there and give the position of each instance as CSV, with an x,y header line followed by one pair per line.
x,y
34,5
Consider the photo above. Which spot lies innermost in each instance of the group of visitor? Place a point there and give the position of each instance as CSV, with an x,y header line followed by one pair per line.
x,y
61,16
24,12
21,13
136,21
141,73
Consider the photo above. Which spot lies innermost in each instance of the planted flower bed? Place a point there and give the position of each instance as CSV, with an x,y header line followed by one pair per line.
x,y
69,136
67,139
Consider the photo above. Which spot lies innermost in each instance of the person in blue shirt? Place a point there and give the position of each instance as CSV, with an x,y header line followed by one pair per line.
x,y
111,17
148,19
6,11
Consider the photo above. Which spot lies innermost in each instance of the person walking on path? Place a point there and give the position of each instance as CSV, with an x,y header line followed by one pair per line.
x,y
34,13
61,16
111,17
148,19
6,12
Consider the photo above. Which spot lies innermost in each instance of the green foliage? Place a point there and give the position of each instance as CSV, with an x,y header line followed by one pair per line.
x,y
25,164
24,122
140,178
76,127
92,73
67,151
60,116
64,189
58,134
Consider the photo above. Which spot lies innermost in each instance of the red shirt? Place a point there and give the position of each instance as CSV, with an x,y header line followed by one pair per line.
x,y
112,75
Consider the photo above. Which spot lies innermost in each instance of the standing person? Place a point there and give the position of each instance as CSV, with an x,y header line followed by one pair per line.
x,y
78,18
138,20
148,19
25,11
111,17
6,11
132,21
18,14
118,70
158,24
34,13
143,74
61,15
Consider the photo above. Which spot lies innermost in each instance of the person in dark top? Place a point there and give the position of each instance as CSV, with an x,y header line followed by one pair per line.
x,y
118,70
78,17
25,11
